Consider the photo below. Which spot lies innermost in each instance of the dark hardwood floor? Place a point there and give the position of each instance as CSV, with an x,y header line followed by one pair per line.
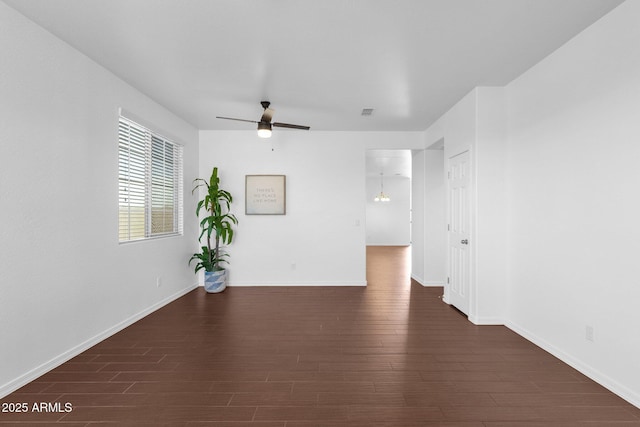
x,y
392,354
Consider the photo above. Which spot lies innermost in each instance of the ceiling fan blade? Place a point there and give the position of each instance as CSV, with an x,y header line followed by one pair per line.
x,y
290,126
238,120
267,116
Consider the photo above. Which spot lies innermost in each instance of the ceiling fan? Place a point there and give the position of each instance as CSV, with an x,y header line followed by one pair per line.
x,y
265,124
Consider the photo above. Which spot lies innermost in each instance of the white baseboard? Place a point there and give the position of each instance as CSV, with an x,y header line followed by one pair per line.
x,y
476,320
597,376
398,244
427,283
433,284
295,284
33,374
418,279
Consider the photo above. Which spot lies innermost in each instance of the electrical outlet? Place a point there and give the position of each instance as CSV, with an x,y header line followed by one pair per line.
x,y
588,333
158,282
293,266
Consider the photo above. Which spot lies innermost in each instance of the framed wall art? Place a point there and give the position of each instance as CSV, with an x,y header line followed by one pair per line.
x,y
265,195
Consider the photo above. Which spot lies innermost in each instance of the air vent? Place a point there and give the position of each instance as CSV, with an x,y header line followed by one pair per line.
x,y
367,111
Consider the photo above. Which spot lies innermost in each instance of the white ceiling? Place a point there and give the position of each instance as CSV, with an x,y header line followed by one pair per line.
x,y
390,163
319,62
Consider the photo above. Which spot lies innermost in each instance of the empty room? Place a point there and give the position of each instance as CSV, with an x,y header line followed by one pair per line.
x,y
304,213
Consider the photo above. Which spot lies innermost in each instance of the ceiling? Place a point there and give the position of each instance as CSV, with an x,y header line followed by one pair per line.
x,y
319,62
390,163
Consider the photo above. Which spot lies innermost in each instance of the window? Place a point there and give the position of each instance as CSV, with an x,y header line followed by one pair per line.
x,y
150,184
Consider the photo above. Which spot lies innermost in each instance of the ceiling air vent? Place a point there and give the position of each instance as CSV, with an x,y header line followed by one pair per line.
x,y
367,111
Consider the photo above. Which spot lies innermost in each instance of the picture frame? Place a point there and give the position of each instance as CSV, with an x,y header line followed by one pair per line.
x,y
265,195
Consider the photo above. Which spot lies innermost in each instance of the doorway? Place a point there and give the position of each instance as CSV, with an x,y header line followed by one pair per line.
x,y
388,198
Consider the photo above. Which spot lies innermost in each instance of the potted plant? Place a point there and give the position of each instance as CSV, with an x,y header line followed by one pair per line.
x,y
217,229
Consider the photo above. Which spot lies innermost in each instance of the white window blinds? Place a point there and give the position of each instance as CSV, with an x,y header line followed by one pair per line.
x,y
150,183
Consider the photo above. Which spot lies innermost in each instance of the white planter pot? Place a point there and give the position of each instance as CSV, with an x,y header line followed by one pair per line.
x,y
215,281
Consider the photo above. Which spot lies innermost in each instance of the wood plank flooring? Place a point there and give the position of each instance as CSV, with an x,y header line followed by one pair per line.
x,y
391,354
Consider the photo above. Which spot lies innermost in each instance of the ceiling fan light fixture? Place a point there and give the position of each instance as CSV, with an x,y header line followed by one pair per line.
x,y
265,124
264,130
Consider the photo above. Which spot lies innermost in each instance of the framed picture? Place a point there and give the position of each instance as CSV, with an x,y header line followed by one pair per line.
x,y
265,195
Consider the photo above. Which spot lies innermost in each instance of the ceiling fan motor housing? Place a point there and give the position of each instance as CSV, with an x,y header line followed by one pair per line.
x,y
264,126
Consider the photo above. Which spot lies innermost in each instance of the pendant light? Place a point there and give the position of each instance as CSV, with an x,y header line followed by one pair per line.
x,y
381,197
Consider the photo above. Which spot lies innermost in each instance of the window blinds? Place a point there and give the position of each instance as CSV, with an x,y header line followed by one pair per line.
x,y
150,179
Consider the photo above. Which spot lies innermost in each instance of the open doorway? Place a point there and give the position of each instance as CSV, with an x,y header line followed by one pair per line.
x,y
420,224
388,199
388,203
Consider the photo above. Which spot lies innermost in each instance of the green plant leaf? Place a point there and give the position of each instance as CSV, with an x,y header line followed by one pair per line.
x,y
216,225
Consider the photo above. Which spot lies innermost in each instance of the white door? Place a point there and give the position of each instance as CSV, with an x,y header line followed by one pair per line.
x,y
459,175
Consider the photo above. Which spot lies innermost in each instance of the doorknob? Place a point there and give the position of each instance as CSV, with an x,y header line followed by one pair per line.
x,y
464,242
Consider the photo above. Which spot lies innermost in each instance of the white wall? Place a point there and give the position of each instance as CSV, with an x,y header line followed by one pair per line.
x,y
321,239
429,237
491,206
458,129
391,140
66,283
574,237
417,215
324,230
477,123
435,220
433,258
388,223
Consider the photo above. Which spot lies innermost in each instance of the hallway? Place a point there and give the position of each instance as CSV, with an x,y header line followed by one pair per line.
x,y
391,354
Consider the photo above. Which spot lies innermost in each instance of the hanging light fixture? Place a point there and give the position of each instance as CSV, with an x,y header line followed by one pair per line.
x,y
381,197
264,130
